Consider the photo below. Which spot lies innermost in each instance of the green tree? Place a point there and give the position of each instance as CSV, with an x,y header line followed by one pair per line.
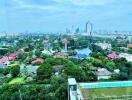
x,y
130,50
61,92
72,52
75,71
22,56
6,71
44,71
56,81
111,65
89,70
15,70
54,61
38,53
129,66
123,72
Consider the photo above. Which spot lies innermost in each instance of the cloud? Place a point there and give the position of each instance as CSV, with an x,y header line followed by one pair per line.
x,y
57,4
31,4
40,2
91,2
62,13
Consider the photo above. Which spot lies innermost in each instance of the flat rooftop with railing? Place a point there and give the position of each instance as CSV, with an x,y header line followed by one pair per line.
x,y
106,90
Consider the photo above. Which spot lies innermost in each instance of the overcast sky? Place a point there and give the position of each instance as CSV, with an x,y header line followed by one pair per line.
x,y
57,15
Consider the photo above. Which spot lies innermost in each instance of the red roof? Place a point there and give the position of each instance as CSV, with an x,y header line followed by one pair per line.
x,y
38,60
4,59
13,56
129,45
112,56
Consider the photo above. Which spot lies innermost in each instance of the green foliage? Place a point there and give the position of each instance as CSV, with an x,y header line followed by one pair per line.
x,y
24,72
97,63
90,60
27,49
44,56
115,77
22,56
15,70
4,51
6,71
56,81
49,60
38,53
75,71
8,92
28,60
97,48
76,61
30,54
59,85
72,52
110,64
89,70
130,50
37,63
126,71
61,92
1,70
54,61
119,62
44,71
33,92
56,47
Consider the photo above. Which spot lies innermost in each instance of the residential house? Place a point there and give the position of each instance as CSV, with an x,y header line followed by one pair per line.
x,y
112,56
119,38
2,78
129,45
116,71
58,68
79,56
5,59
103,73
32,70
13,56
104,45
47,52
2,65
21,50
37,60
126,55
60,55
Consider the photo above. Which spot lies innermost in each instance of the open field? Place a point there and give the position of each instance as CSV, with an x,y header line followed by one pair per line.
x,y
106,92
18,80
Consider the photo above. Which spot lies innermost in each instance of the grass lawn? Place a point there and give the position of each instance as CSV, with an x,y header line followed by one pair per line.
x,y
105,92
18,80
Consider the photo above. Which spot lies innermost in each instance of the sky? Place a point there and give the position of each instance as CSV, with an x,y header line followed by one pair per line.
x,y
57,15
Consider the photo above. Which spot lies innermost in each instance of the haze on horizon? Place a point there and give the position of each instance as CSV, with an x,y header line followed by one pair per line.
x,y
57,15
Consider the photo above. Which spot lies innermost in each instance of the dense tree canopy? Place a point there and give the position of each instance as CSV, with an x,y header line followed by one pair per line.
x,y
44,71
15,70
75,71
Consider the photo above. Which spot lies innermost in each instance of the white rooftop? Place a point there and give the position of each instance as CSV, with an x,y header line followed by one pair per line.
x,y
127,56
72,81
